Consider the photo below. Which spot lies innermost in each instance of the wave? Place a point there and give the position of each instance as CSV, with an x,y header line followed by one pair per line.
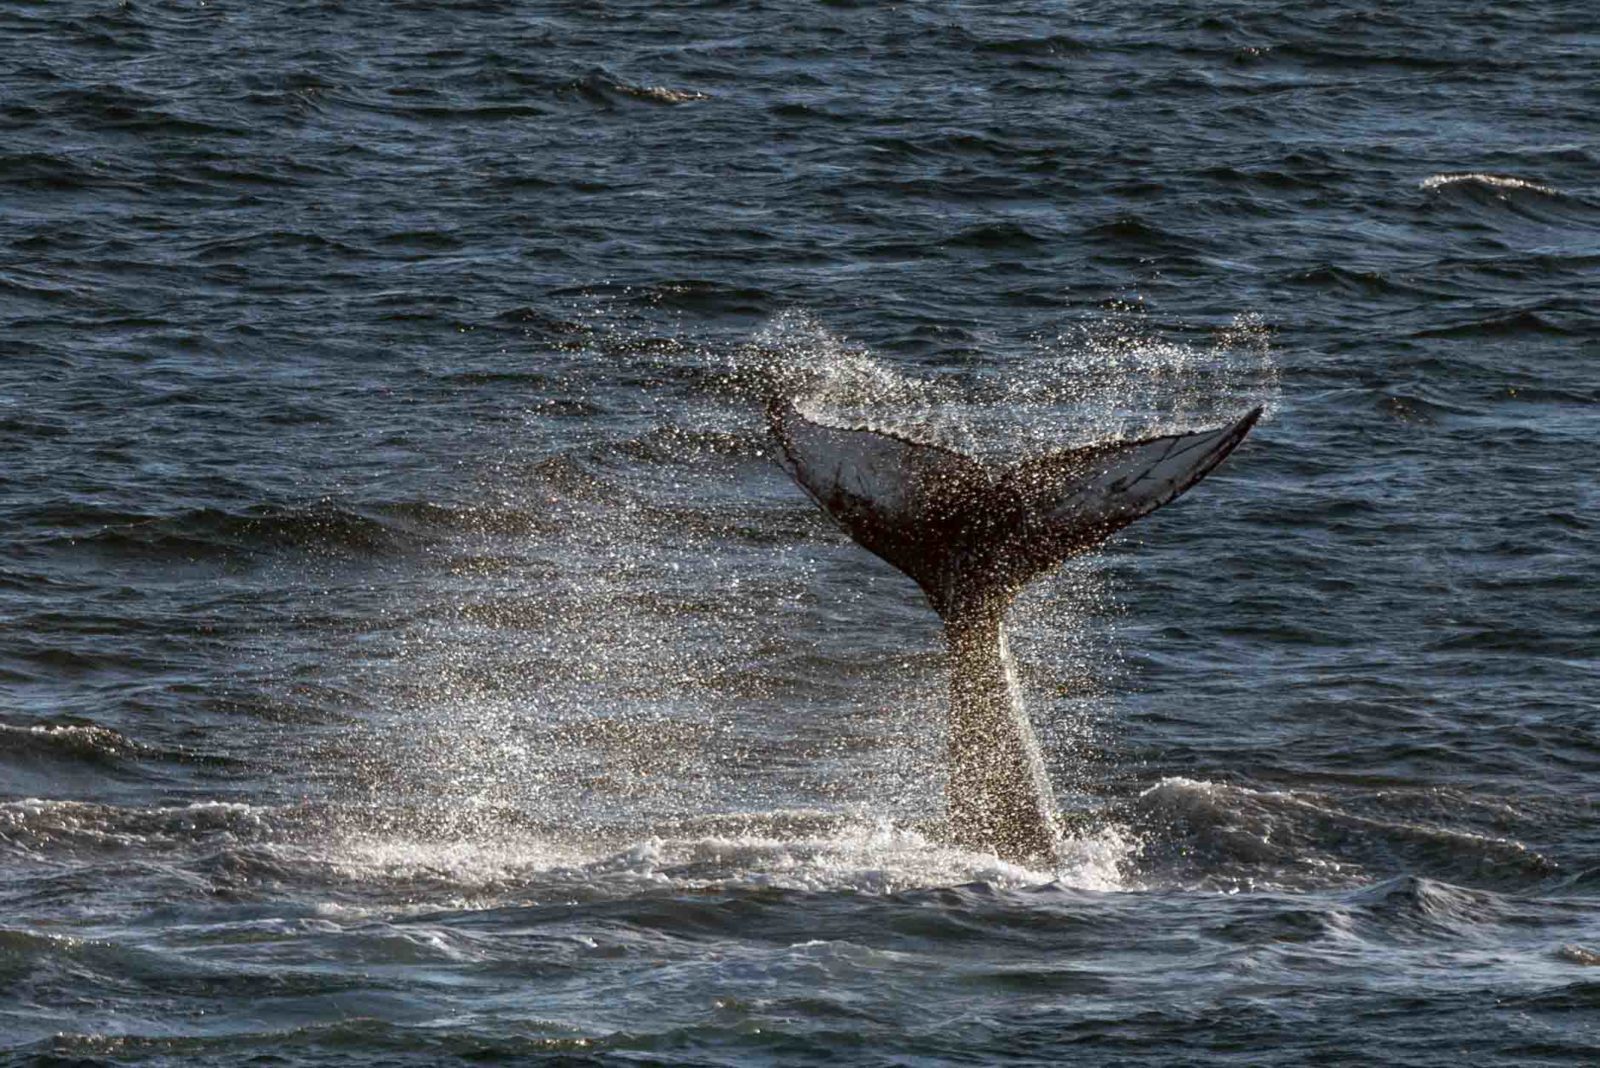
x,y
540,324
1050,46
1358,56
1427,907
56,173
996,236
705,296
601,87
1498,199
78,743
58,829
944,145
1507,324
372,530
398,1043
1413,406
1137,234
204,531
82,959
383,853
1499,185
1358,283
45,750
1209,835
1575,954
274,242
1407,909
120,107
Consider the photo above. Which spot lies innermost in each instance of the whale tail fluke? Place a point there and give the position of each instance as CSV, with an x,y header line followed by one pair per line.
x,y
972,534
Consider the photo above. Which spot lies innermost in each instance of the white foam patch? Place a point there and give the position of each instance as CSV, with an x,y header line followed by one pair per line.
x,y
304,852
1498,182
863,858
34,822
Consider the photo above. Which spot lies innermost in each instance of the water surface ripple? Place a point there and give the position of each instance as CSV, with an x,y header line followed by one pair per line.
x,y
412,655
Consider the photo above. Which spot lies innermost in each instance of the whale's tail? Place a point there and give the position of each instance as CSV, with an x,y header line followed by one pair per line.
x,y
972,534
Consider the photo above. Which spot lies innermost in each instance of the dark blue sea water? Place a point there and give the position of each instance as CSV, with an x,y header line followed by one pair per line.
x,y
410,653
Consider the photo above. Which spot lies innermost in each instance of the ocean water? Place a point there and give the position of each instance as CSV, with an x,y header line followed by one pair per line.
x,y
411,654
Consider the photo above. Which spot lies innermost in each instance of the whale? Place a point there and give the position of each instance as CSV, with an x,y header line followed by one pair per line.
x,y
972,535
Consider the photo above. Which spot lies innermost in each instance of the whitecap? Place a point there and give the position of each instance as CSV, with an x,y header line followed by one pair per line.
x,y
1500,183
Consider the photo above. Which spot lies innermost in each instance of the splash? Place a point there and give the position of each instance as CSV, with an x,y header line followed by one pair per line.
x,y
619,636
868,857
1090,381
348,866
796,356
1093,380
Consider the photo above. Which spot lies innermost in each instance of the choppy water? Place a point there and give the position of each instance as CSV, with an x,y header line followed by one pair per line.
x,y
410,652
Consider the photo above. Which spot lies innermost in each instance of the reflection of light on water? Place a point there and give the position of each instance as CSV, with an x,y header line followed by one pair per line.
x,y
640,630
